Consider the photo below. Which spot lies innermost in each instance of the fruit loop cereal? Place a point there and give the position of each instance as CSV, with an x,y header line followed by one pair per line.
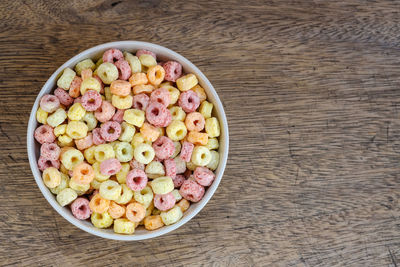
x,y
127,142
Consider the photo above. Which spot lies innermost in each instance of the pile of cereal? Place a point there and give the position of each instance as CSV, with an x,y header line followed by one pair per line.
x,y
127,141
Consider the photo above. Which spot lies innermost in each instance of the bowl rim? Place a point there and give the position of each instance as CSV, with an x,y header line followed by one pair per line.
x,y
100,232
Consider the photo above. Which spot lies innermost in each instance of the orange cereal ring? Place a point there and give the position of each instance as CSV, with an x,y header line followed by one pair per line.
x,y
116,211
99,204
83,173
135,212
195,121
120,88
138,78
75,87
153,222
143,88
155,74
149,132
198,138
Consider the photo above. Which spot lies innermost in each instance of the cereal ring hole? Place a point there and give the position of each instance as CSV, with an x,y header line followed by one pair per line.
x,y
74,159
123,151
139,105
43,131
111,130
180,132
85,171
110,187
190,100
203,156
155,111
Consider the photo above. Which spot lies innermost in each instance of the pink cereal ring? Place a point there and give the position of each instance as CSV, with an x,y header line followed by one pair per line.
x,y
91,100
186,151
173,70
80,208
191,191
110,166
140,101
112,55
46,163
85,142
170,168
156,114
105,112
189,101
124,69
167,120
49,103
136,180
178,180
147,52
136,165
119,116
44,134
110,131
163,147
161,95
50,151
101,83
164,202
63,97
97,139
203,176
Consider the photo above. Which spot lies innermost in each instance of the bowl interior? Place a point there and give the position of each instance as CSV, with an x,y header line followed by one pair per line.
x,y
162,54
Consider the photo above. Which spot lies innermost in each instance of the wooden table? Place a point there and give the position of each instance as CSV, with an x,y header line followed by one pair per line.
x,y
312,94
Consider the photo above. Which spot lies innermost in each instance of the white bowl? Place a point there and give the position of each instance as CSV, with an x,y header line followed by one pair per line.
x,y
163,54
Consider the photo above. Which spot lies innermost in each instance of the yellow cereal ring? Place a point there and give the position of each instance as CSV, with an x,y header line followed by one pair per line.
x,y
135,117
89,154
84,64
212,127
121,175
103,152
124,226
147,60
107,72
57,118
77,129
177,113
63,184
110,190
201,156
90,83
213,164
101,220
71,158
60,129
144,153
144,196
134,62
125,196
171,216
51,177
41,116
206,109
76,112
90,120
66,78
187,82
122,102
212,143
127,133
154,169
66,196
138,139
176,130
162,185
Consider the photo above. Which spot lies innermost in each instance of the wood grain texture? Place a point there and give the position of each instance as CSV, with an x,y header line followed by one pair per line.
x,y
312,94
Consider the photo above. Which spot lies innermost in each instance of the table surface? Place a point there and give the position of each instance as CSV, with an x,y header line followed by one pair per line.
x,y
311,92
